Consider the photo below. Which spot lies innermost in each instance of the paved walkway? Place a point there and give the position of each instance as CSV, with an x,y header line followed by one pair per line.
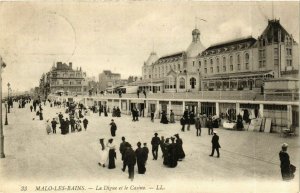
x,y
249,160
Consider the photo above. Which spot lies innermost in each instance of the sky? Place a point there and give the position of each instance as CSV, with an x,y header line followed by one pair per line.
x,y
119,35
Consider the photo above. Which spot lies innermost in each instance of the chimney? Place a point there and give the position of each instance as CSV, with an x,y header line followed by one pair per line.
x,y
58,65
70,65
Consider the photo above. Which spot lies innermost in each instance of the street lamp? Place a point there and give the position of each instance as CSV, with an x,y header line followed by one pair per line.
x,y
6,123
2,155
8,87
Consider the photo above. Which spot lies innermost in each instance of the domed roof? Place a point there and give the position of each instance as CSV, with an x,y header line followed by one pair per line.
x,y
195,32
196,46
151,59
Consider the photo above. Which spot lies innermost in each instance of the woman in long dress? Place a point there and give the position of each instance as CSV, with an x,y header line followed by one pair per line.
x,y
172,117
179,148
103,154
164,118
111,154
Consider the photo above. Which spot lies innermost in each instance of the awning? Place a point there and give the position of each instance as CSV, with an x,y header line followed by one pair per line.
x,y
239,75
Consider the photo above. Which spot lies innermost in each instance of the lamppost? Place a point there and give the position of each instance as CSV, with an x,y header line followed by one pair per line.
x,y
8,87
6,123
2,155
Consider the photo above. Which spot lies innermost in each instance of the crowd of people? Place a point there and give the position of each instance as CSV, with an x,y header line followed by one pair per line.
x,y
129,157
75,120
172,150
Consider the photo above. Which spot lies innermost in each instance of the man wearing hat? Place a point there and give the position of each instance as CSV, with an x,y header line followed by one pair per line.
x,y
198,126
123,146
145,152
155,143
215,144
285,165
113,128
209,125
130,161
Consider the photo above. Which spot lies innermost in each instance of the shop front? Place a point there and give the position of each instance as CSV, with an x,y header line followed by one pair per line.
x,y
278,115
124,106
176,107
208,108
163,106
140,105
227,111
191,107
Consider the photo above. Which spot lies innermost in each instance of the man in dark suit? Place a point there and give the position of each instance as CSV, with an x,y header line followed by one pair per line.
x,y
215,144
123,146
155,143
130,161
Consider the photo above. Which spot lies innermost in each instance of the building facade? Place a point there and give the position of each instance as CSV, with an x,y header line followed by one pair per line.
x,y
172,73
62,78
107,80
246,63
239,64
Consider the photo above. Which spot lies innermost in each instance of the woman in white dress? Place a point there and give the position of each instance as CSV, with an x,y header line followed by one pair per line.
x,y
48,127
103,154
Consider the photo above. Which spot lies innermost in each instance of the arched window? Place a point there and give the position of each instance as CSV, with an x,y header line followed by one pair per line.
x,y
178,66
193,82
182,83
218,62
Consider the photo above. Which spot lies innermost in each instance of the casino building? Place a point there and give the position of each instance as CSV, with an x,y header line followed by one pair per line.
x,y
239,64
